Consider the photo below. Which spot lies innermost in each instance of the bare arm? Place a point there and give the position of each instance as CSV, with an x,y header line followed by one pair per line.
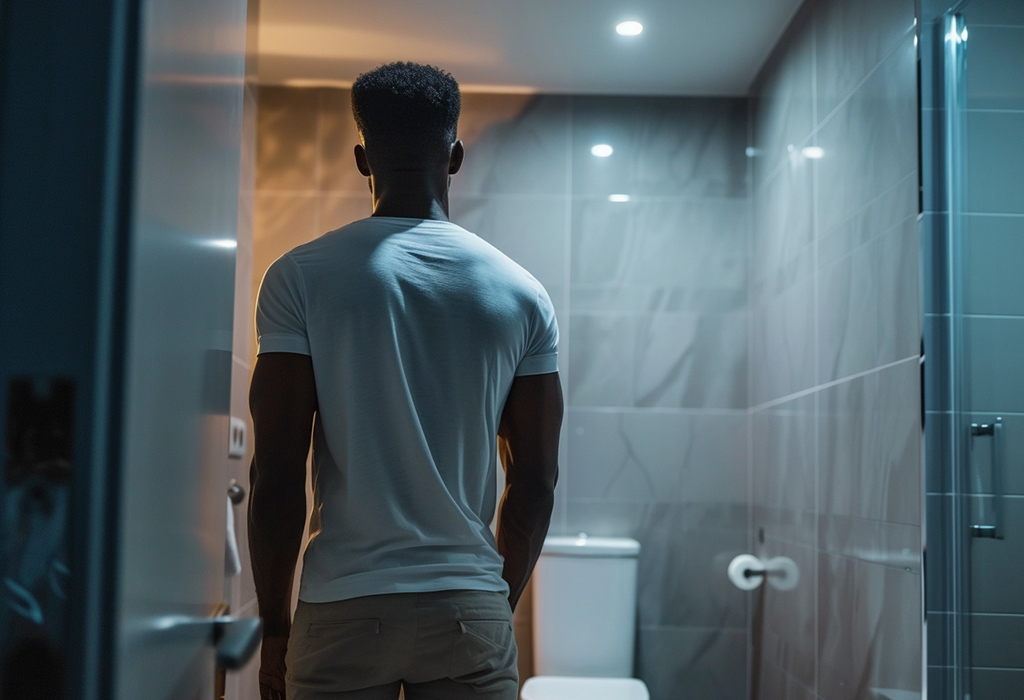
x,y
528,444
282,400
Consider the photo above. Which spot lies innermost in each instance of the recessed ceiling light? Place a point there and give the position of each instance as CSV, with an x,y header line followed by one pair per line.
x,y
602,150
629,28
814,152
618,198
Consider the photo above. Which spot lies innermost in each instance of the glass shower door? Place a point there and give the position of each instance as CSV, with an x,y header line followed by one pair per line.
x,y
983,49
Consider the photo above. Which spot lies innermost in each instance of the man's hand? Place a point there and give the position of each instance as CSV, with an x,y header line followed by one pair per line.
x,y
272,668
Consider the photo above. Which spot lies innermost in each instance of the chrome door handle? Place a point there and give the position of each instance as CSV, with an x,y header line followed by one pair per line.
x,y
236,640
995,430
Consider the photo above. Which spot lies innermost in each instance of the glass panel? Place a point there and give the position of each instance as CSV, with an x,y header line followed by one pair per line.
x,y
984,141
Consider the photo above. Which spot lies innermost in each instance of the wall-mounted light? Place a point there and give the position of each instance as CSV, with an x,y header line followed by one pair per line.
x,y
602,150
629,28
618,198
226,243
813,152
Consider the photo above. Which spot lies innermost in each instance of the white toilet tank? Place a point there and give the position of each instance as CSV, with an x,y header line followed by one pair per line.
x,y
584,607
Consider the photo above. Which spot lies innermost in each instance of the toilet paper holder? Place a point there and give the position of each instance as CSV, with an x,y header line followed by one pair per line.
x,y
747,572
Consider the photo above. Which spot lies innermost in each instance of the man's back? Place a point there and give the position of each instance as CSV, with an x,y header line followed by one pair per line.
x,y
416,329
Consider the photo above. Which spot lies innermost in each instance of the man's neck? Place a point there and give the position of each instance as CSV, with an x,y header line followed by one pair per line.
x,y
410,200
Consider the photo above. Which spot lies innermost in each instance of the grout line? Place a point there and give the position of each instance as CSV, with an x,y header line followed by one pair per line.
x,y
834,383
653,410
751,232
817,351
567,291
317,148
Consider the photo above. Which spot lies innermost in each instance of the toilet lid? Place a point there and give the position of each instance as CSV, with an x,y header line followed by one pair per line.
x,y
566,688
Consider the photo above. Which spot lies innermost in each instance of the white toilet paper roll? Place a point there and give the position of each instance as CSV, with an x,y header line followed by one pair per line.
x,y
738,568
783,573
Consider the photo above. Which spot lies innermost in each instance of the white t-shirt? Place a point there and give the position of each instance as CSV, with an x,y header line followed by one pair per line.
x,y
416,329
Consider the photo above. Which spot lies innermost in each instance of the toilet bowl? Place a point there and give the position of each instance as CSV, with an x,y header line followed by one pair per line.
x,y
584,620
569,688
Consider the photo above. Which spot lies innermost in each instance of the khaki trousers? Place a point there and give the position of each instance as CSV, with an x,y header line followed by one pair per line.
x,y
436,646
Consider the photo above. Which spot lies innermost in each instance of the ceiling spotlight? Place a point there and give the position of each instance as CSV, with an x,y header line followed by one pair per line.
x,y
618,198
813,152
629,28
602,150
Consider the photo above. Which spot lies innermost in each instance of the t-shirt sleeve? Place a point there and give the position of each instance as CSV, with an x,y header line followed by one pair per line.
x,y
281,310
542,345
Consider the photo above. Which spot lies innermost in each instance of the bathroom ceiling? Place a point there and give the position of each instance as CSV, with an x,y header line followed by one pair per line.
x,y
688,47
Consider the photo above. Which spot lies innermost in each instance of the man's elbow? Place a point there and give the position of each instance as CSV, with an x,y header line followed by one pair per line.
x,y
540,485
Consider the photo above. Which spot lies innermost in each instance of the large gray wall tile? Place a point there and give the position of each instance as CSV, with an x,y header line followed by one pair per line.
x,y
337,136
696,662
870,143
699,245
691,361
783,96
783,249
286,139
515,144
869,622
785,470
657,456
868,310
850,39
668,146
685,553
602,357
789,618
782,343
869,431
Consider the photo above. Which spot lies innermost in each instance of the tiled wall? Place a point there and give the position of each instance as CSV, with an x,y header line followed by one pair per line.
x,y
993,325
651,299
834,362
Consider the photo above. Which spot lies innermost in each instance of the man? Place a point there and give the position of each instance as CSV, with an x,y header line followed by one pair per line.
x,y
414,351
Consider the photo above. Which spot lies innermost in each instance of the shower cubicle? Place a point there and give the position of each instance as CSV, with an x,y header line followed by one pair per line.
x,y
973,260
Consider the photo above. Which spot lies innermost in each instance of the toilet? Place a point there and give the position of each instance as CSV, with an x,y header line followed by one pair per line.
x,y
584,620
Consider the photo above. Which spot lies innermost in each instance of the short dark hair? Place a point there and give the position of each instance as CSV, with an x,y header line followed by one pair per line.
x,y
407,111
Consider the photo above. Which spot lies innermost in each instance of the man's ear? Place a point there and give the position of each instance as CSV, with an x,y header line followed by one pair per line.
x,y
458,155
361,162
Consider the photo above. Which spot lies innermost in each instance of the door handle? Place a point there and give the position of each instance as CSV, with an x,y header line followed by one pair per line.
x,y
236,640
995,431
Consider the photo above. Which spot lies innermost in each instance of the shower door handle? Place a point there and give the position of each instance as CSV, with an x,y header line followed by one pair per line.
x,y
995,431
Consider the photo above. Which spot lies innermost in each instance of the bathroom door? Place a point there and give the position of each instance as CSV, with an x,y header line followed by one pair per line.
x,y
119,171
983,48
